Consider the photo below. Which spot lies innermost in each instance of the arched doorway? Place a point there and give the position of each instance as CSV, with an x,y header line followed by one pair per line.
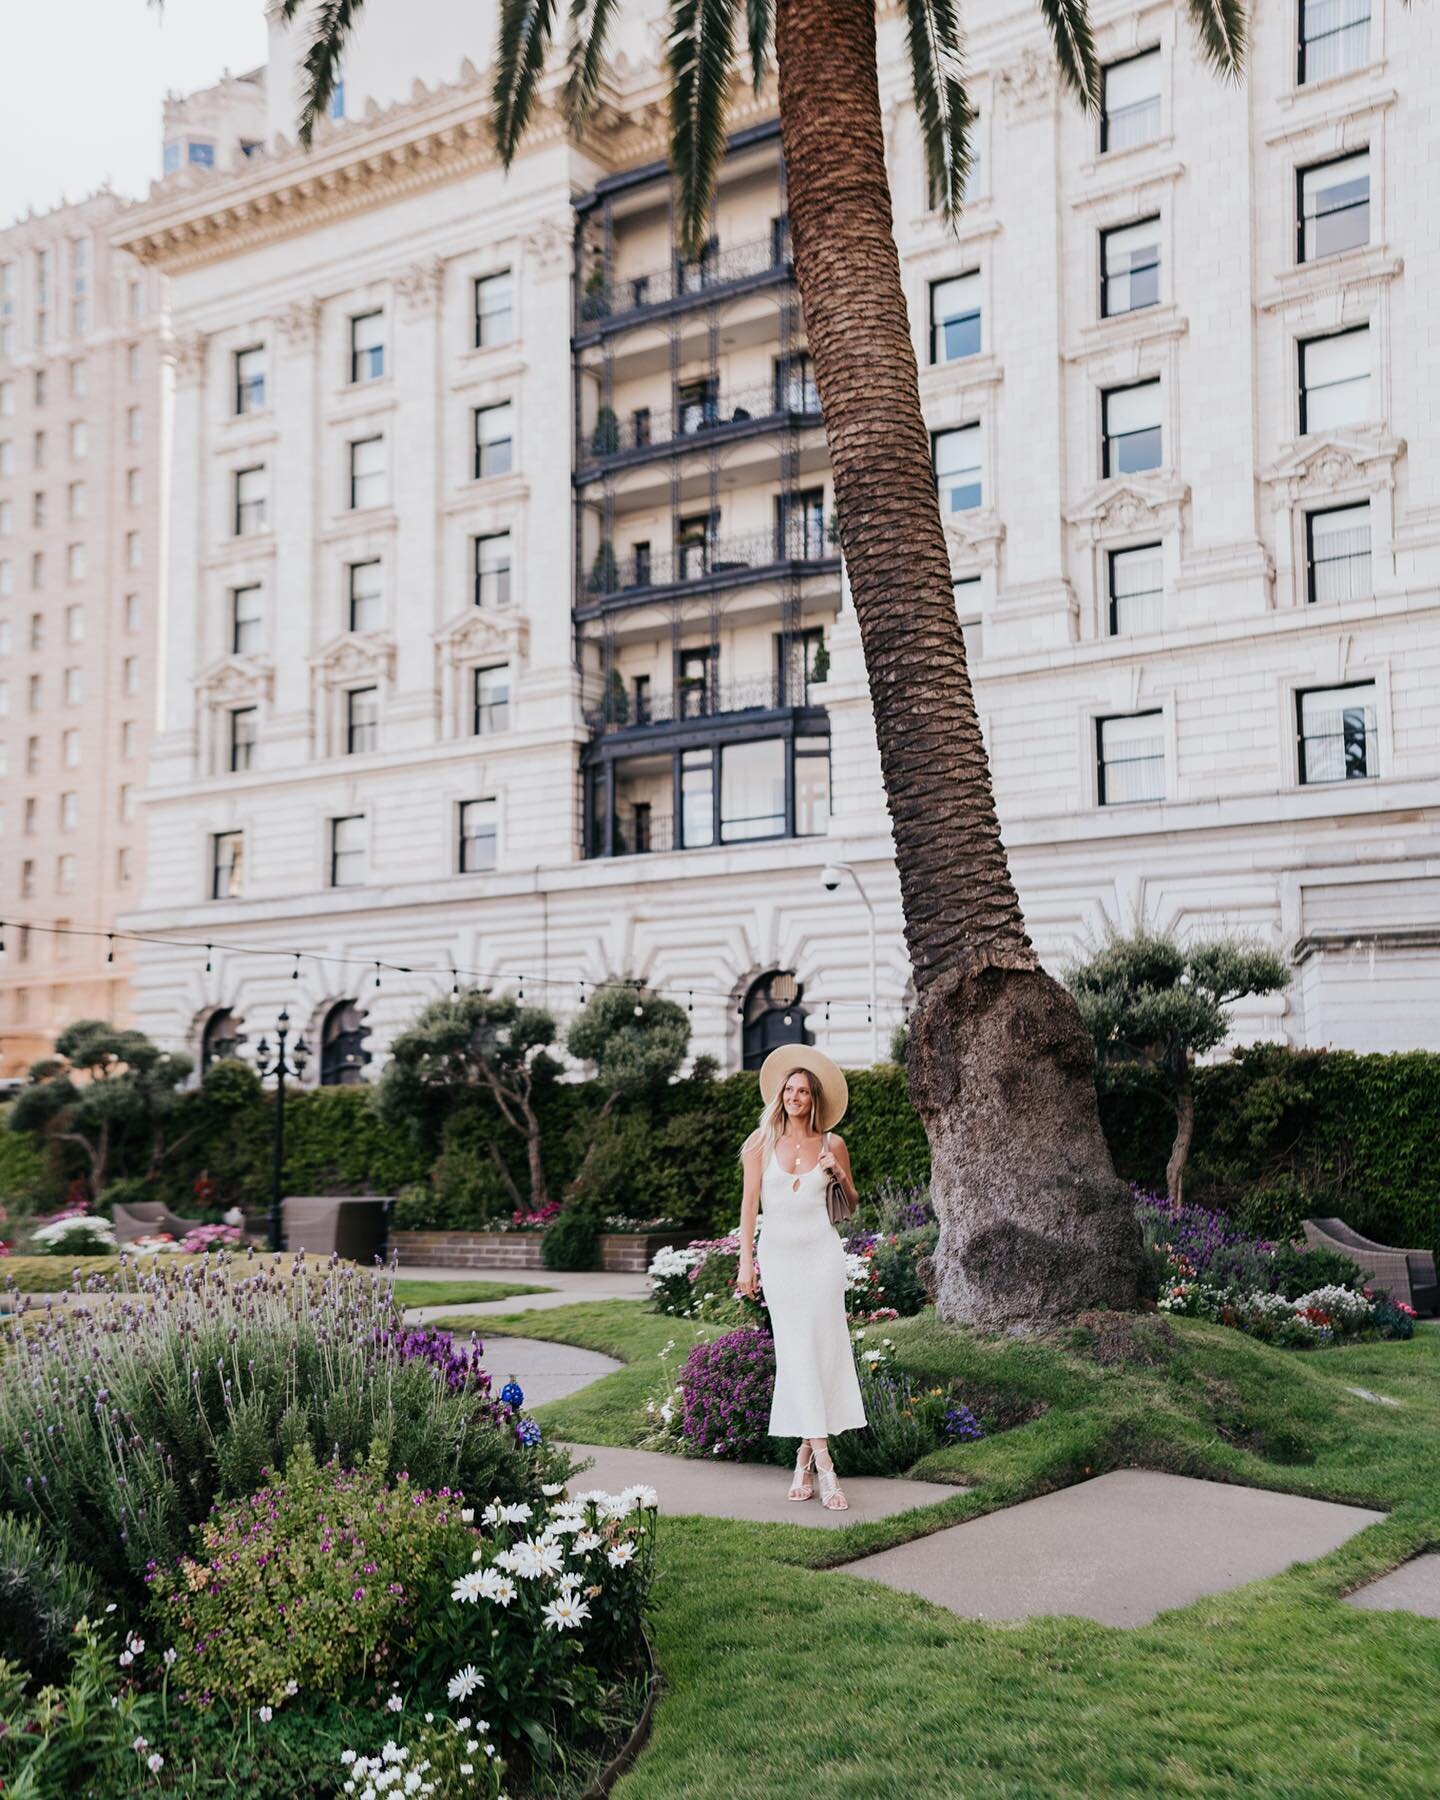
x,y
772,1014
220,1040
343,1055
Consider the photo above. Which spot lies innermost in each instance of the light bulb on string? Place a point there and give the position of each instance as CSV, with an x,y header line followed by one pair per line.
x,y
207,959
377,974
2,937
789,1019
109,946
639,1008
295,972
690,1001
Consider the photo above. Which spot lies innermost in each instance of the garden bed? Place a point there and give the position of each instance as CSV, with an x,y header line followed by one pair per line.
x,y
621,1252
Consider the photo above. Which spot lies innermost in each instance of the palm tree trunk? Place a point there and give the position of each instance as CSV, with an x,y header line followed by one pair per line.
x,y
1184,1130
1034,1224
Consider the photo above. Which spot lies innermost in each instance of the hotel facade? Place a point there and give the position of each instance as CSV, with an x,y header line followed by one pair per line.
x,y
505,630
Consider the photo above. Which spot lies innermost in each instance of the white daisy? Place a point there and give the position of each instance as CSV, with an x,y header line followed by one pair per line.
x,y
621,1554
468,1589
565,1614
464,1682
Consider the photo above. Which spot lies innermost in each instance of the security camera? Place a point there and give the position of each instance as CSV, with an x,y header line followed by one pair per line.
x,y
830,877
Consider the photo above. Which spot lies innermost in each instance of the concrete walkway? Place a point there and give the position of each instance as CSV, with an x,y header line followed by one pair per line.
x,y
1118,1549
544,1370
1414,1588
563,1288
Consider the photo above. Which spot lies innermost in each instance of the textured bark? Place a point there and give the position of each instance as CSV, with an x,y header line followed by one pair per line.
x,y
1034,1224
1184,1130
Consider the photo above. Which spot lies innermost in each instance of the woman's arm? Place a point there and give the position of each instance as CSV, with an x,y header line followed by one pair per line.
x,y
835,1160
749,1213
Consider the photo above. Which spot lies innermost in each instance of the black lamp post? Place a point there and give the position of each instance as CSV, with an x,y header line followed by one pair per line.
x,y
278,1067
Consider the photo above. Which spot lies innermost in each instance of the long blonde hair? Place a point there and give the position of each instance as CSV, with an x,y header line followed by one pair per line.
x,y
774,1120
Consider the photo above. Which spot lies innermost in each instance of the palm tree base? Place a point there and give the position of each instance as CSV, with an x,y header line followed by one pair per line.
x,y
1035,1226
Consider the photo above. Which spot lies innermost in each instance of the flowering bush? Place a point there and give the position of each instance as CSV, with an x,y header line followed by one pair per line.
x,y
211,1237
699,1282
726,1386
74,1234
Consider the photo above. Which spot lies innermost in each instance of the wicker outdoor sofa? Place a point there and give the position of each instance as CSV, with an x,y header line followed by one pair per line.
x,y
1407,1275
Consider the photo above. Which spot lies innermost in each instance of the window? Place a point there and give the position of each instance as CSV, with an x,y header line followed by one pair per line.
x,y
366,596
136,297
65,873
697,798
37,450
1335,380
347,850
1137,582
71,687
77,501
68,741
125,800
27,892
1334,37
35,694
170,157
7,457
752,790
800,525
367,346
812,786
132,487
494,440
1129,268
69,749
79,379
771,1015
1132,429
367,473
132,612
128,737
74,562
695,682
200,154
1131,759
960,468
37,569
69,810
795,389
75,624
337,99
492,700
1337,733
695,539
1334,207
1337,554
37,509
7,576
343,1055
479,827
132,362
132,550
250,379
362,720
494,309
122,866
134,425
250,501
78,440
1130,102
244,721
492,570
130,676
246,621
227,864
955,318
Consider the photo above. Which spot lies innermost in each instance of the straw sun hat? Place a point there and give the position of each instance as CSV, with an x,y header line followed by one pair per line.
x,y
834,1091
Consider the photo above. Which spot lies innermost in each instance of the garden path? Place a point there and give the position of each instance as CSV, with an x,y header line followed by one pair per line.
x,y
1414,1587
563,1288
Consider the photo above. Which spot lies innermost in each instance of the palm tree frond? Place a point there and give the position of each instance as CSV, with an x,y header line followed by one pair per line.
x,y
937,66
757,31
333,22
1224,32
589,28
526,28
701,54
1069,22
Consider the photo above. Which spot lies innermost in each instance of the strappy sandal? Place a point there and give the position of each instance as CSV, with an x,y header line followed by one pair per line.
x,y
801,1488
832,1495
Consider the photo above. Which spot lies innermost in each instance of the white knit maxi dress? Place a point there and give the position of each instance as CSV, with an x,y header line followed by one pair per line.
x,y
802,1273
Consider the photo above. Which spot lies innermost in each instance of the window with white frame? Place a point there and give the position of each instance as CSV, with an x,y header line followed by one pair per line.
x,y
132,549
367,473
69,749
1334,38
7,457
362,720
130,676
77,501
251,500
79,378
132,613
367,346
132,487
492,700
65,873
494,439
1131,429
250,379
129,739
959,457
69,810
227,865
134,425
74,562
1337,733
1130,758
243,730
7,576
71,687
366,596
492,570
125,801
78,440
494,309
479,836
75,623
955,317
1130,101
1337,554
1335,380
1130,268
347,850
247,624
1136,589
1334,207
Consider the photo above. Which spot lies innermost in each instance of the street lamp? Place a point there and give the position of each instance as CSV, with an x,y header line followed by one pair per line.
x,y
277,1066
830,880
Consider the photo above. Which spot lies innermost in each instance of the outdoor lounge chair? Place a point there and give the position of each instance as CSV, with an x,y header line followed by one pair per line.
x,y
144,1218
1407,1275
347,1225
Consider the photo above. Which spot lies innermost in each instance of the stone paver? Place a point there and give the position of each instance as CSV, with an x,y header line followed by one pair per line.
x,y
747,1490
1118,1549
1414,1587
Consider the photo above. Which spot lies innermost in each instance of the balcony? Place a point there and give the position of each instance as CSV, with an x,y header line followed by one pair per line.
x,y
616,443
621,711
705,564
609,302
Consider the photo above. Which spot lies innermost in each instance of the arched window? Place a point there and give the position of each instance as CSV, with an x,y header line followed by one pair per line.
x,y
220,1038
772,1015
343,1055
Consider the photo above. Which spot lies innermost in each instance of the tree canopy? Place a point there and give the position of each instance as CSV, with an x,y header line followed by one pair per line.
x,y
633,1039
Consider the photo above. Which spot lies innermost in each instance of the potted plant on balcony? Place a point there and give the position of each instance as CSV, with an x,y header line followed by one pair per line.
x,y
595,302
604,571
605,438
617,701
820,663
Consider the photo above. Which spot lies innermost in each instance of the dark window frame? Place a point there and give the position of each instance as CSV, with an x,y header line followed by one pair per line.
x,y
373,351
1106,395
1104,719
1119,63
1106,233
359,730
1343,687
1304,344
937,361
1311,168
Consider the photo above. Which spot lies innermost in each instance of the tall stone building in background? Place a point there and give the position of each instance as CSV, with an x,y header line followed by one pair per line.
x,y
506,629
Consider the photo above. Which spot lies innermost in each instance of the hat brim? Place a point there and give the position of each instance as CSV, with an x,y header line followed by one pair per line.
x,y
834,1089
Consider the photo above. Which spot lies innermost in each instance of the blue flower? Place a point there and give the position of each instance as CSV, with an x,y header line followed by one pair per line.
x,y
512,1394
528,1432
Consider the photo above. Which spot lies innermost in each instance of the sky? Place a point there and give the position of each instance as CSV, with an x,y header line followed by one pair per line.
x,y
81,86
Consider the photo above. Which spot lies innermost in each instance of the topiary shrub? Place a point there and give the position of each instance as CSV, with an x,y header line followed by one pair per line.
x,y
42,1599
573,1241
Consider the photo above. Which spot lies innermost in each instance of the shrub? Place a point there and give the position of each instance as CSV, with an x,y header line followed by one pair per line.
x,y
80,1234
903,1422
312,1581
727,1385
895,1260
572,1241
42,1599
86,1737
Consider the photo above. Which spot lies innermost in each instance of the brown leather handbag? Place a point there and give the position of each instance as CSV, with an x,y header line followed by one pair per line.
x,y
838,1205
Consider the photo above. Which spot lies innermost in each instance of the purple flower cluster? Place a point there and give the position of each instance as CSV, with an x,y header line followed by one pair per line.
x,y
727,1386
1202,1237
961,1426
460,1366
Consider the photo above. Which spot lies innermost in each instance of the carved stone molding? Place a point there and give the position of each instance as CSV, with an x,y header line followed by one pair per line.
x,y
1130,503
1031,85
975,536
548,244
235,680
473,635
1341,462
188,352
421,285
299,324
356,656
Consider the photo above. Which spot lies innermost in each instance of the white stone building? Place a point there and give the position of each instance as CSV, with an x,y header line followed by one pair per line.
x,y
505,628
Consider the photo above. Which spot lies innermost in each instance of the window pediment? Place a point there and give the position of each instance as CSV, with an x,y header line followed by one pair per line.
x,y
1336,462
475,634
1130,503
236,678
355,655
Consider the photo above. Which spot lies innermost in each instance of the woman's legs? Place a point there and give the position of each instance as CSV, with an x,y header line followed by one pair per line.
x,y
832,1495
800,1487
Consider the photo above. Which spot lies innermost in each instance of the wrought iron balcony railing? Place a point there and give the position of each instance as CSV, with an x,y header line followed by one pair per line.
x,y
624,710
603,301
612,435
640,569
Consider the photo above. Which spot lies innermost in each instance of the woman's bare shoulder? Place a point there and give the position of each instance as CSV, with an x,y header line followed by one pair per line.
x,y
752,1143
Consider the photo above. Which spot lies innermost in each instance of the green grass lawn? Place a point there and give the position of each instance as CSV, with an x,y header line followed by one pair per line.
x,y
410,1292
787,1677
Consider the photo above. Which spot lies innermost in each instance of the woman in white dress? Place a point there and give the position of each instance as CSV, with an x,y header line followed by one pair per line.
x,y
789,1161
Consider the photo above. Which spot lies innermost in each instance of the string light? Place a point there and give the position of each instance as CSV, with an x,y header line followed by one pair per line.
x,y
110,947
207,959
639,1007
454,981
377,974
295,972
